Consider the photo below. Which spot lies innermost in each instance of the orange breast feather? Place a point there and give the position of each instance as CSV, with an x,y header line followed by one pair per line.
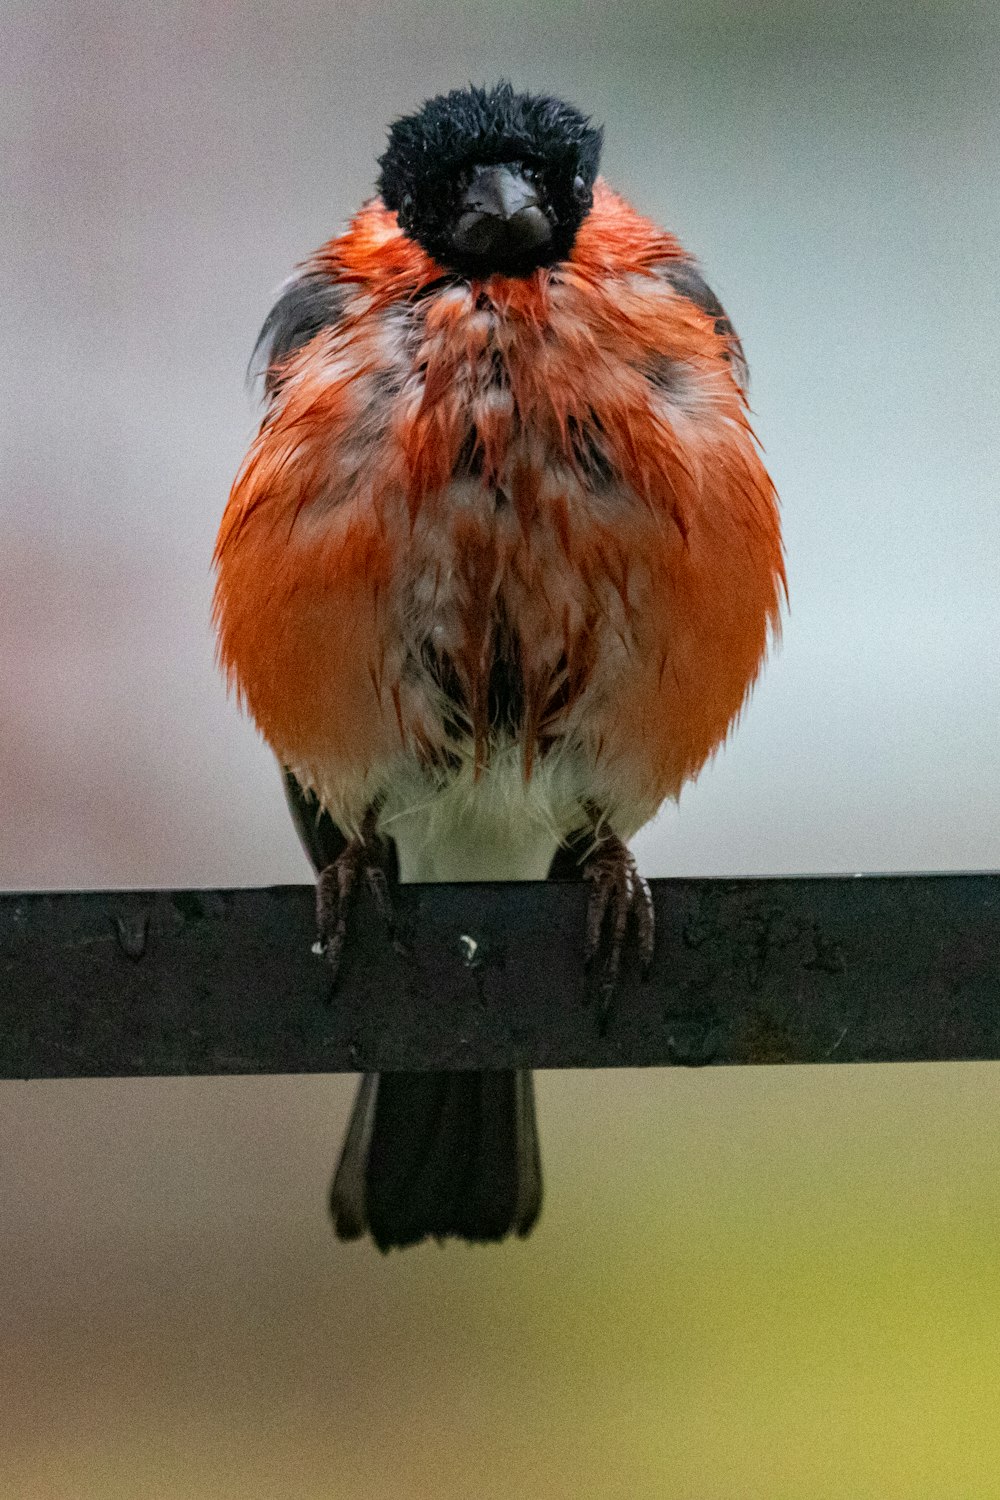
x,y
554,476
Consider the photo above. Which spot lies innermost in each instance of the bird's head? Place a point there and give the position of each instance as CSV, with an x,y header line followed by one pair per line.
x,y
490,181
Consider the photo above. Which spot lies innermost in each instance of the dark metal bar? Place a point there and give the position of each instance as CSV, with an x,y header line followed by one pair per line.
x,y
136,983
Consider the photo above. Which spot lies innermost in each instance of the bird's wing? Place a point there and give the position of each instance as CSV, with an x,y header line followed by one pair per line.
x,y
319,834
686,279
308,303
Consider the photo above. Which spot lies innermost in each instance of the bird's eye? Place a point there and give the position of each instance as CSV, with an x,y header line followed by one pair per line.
x,y
405,206
531,174
579,187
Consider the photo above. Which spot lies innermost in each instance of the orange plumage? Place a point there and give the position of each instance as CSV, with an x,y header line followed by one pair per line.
x,y
496,576
640,615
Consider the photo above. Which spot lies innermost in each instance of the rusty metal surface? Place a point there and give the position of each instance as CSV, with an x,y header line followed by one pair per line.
x,y
755,971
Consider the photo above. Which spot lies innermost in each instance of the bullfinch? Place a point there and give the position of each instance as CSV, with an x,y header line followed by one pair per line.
x,y
494,580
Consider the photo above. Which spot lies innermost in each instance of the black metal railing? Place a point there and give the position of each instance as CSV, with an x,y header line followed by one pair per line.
x,y
142,983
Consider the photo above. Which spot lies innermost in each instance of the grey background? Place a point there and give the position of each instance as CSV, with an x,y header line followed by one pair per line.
x,y
176,1320
836,171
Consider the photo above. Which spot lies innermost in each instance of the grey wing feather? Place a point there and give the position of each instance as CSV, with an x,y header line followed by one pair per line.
x,y
319,834
306,305
687,281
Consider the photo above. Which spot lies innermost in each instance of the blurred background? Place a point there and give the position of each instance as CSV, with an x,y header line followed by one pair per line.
x,y
748,1283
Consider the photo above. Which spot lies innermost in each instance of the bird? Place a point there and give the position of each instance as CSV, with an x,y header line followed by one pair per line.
x,y
494,580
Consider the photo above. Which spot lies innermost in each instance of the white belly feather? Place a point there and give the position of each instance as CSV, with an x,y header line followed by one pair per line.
x,y
496,827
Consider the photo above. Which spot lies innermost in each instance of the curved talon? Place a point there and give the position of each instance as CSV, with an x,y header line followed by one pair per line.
x,y
335,886
619,893
333,892
645,918
378,884
375,879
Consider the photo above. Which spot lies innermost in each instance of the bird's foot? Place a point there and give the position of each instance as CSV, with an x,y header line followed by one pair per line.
x,y
360,860
619,893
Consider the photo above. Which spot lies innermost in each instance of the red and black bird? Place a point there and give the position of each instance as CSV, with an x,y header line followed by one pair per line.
x,y
496,576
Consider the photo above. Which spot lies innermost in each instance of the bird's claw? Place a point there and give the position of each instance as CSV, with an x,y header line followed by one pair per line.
x,y
335,887
619,893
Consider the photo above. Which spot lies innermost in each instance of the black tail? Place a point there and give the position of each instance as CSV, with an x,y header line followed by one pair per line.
x,y
442,1154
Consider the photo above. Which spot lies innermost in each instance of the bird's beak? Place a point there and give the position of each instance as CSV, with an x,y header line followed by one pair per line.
x,y
501,216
